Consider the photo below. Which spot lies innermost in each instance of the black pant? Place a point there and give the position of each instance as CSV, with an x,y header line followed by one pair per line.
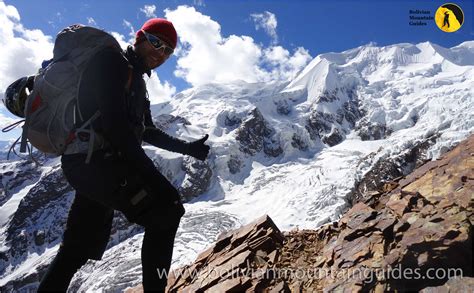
x,y
102,186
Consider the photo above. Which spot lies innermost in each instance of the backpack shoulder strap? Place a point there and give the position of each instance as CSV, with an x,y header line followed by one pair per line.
x,y
130,74
129,79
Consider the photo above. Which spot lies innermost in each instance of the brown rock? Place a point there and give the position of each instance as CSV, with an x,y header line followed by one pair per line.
x,y
398,204
385,222
401,227
359,213
422,221
266,242
389,186
296,287
454,285
272,257
239,284
230,253
280,287
260,258
353,251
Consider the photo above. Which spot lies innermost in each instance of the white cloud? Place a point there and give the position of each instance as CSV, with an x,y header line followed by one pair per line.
x,y
268,22
284,66
121,39
131,34
206,56
157,91
149,10
91,21
22,49
5,120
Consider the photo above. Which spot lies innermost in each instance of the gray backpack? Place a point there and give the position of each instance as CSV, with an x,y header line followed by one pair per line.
x,y
52,109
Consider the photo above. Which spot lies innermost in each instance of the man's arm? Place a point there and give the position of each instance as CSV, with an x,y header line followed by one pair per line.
x,y
162,140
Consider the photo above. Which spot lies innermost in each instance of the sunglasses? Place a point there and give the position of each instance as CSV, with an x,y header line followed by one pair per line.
x,y
157,43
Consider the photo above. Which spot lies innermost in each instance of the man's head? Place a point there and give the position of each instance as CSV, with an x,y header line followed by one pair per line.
x,y
155,41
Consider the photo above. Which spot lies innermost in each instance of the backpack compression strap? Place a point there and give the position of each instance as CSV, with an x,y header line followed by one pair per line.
x,y
86,129
26,126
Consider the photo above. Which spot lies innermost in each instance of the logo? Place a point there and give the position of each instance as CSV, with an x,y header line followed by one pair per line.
x,y
449,17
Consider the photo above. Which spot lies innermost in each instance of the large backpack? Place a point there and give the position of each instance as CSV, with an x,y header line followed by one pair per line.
x,y
54,123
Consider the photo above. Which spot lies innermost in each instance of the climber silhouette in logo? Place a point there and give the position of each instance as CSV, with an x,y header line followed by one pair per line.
x,y
449,17
446,19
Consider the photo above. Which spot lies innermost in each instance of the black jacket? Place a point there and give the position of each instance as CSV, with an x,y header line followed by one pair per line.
x,y
125,118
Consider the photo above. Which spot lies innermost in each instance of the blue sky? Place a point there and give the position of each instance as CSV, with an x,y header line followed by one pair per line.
x,y
318,26
221,41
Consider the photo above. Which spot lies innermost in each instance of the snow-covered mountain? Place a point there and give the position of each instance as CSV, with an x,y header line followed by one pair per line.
x,y
299,151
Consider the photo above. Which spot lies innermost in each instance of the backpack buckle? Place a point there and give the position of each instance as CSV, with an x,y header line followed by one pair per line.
x,y
83,136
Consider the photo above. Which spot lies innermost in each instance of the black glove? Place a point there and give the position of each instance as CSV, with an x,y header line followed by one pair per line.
x,y
198,149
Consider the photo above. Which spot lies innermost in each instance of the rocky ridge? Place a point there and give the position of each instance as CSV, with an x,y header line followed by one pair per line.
x,y
419,225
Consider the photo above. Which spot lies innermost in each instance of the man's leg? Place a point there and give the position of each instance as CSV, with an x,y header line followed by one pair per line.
x,y
157,252
86,236
159,212
61,270
160,216
161,222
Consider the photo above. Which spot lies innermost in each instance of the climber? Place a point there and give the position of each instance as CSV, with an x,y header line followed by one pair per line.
x,y
119,175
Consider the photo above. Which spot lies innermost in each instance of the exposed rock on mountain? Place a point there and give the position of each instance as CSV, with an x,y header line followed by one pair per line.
x,y
15,176
165,121
331,127
252,132
232,256
283,107
454,285
229,118
36,226
234,164
372,130
49,191
197,178
421,224
298,143
386,170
